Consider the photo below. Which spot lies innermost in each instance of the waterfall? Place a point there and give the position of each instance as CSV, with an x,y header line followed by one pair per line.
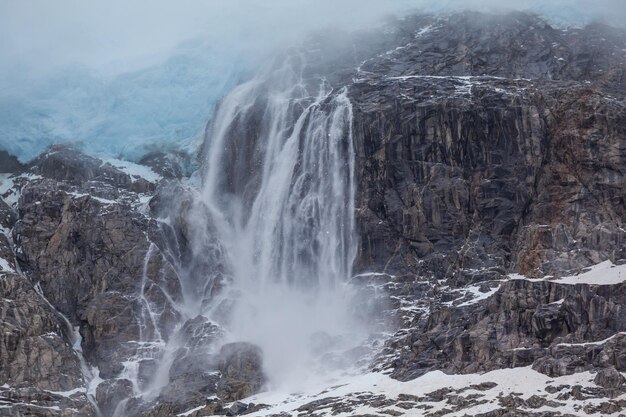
x,y
269,241
279,184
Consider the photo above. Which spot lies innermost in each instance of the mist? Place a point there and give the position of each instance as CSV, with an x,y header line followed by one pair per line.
x,y
110,37
100,73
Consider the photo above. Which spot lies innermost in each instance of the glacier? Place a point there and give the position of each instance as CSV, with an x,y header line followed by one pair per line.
x,y
121,116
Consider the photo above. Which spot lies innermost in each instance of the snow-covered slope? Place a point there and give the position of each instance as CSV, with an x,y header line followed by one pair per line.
x,y
375,394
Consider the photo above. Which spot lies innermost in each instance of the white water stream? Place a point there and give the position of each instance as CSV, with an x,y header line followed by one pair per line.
x,y
274,225
280,189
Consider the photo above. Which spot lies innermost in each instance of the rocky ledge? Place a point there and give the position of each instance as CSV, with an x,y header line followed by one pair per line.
x,y
91,294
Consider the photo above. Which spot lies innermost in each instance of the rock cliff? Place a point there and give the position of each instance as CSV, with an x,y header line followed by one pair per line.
x,y
490,170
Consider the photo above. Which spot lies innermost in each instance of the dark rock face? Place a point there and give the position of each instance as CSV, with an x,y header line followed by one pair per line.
x,y
34,352
483,171
609,378
109,292
39,370
241,366
489,145
9,163
87,254
524,323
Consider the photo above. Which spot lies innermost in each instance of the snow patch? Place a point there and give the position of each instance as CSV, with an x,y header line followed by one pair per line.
x,y
474,290
599,342
69,393
604,273
135,170
5,266
190,412
524,381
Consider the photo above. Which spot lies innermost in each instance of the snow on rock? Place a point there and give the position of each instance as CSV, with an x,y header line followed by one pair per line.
x,y
480,393
597,343
5,266
10,188
134,170
190,412
604,273
478,295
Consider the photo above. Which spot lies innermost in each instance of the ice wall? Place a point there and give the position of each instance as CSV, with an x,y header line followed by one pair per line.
x,y
125,115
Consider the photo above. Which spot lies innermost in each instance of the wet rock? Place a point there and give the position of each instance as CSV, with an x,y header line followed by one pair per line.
x,y
7,215
9,163
609,378
196,248
194,372
34,352
242,371
82,238
110,393
89,258
35,356
169,164
200,331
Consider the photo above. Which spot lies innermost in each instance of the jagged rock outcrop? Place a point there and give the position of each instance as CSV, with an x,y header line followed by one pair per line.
x,y
491,145
544,324
88,254
36,361
109,294
241,366
486,147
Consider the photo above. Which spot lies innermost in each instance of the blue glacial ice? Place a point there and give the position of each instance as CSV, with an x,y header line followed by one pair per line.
x,y
166,105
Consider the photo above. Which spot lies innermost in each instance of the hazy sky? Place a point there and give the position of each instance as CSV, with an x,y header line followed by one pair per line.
x,y
119,35
116,35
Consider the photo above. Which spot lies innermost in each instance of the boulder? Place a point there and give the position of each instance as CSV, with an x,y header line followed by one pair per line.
x,y
241,367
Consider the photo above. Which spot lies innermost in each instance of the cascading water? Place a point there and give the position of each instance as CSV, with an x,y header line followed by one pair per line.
x,y
270,241
279,184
